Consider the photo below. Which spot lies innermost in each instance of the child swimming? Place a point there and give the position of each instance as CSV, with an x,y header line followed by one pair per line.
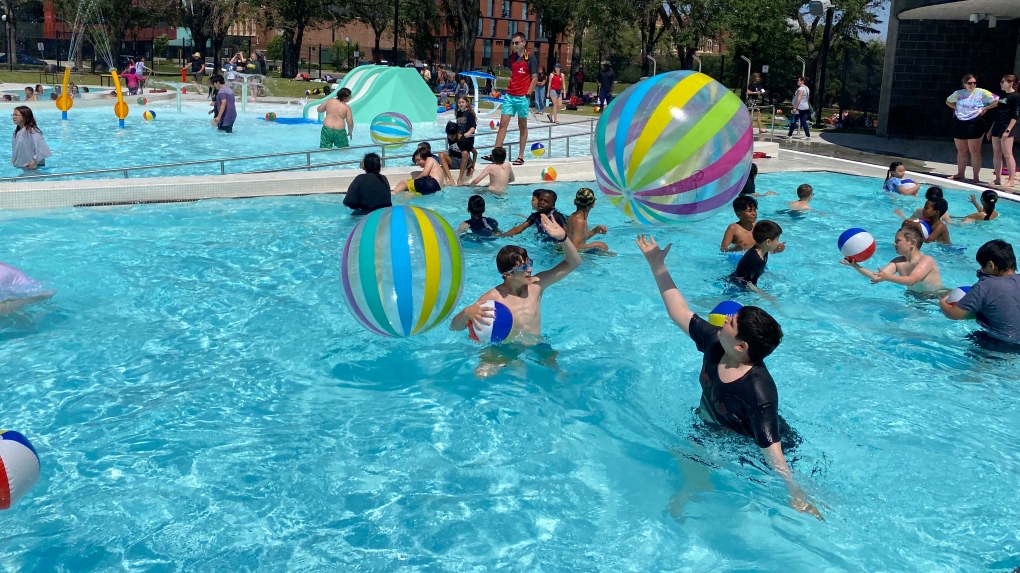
x,y
995,300
986,209
896,183
752,264
577,223
478,224
738,235
912,269
522,293
804,195
546,205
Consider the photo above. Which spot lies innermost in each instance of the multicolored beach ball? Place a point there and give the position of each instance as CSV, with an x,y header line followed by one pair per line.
x,y
19,467
493,124
537,149
673,148
856,245
722,311
149,115
548,174
497,331
270,116
142,101
402,271
390,128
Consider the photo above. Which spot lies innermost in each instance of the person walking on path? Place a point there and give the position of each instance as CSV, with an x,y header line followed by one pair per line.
x,y
556,93
606,80
540,91
1001,132
523,77
969,106
802,108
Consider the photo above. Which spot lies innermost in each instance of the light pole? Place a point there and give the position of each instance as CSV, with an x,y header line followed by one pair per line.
x,y
348,40
697,59
7,43
748,82
803,66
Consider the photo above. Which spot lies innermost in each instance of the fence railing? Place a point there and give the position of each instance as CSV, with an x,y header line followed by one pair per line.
x,y
127,172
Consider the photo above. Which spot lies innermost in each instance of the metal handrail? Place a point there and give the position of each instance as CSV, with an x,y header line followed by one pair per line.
x,y
308,157
772,125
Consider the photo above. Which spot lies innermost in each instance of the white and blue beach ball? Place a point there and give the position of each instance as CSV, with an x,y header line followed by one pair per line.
x,y
856,245
925,228
19,467
500,328
957,294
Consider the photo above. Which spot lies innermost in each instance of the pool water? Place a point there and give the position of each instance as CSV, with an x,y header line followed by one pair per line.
x,y
90,139
201,399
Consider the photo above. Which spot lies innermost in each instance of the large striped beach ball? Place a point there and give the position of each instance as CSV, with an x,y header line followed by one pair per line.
x,y
390,128
673,148
19,467
402,271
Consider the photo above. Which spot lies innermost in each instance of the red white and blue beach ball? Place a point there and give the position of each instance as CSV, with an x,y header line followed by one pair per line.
x,y
857,245
19,467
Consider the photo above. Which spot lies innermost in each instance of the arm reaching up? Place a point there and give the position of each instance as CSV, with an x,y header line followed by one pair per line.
x,y
676,306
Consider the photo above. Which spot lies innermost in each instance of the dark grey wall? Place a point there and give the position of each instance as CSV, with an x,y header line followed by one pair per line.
x,y
932,56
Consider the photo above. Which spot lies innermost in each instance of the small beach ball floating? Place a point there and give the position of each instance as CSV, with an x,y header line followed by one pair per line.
x,y
537,149
149,115
957,294
673,148
548,174
19,467
500,328
493,124
925,228
722,311
402,271
856,245
142,101
270,116
390,128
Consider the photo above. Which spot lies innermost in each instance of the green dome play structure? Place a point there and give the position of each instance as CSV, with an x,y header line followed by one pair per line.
x,y
375,89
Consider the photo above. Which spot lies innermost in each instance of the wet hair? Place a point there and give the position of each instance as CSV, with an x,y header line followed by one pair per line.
x,y
547,192
343,94
749,184
1011,79
940,205
804,191
966,78
509,257
426,146
451,128
911,234
476,204
420,153
892,169
29,90
216,79
498,155
933,192
999,252
26,114
759,330
743,203
988,200
765,230
584,198
372,163
536,193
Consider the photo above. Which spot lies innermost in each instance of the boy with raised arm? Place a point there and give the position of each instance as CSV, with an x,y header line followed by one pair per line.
x,y
916,271
521,292
737,391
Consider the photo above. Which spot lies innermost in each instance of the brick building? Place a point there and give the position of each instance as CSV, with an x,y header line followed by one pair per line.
x,y
930,45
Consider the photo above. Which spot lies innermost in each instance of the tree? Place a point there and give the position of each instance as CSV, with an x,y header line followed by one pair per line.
x,y
208,21
159,46
293,17
650,15
378,16
556,17
462,21
594,18
691,22
418,22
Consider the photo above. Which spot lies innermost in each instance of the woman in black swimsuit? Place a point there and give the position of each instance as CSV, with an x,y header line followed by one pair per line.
x,y
1001,133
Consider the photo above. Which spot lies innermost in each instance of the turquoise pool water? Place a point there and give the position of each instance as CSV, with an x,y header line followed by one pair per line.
x,y
201,399
90,139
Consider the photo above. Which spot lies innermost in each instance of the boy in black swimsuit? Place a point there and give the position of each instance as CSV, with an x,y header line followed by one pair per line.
x,y
546,205
478,224
737,391
752,264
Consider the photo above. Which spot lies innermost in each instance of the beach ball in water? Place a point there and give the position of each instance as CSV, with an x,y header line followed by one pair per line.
x,y
722,311
402,271
925,228
149,115
856,245
537,149
390,128
142,101
673,148
957,294
270,116
548,174
19,467
500,328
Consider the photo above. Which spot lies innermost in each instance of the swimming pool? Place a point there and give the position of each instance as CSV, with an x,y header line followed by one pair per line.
x,y
90,139
201,399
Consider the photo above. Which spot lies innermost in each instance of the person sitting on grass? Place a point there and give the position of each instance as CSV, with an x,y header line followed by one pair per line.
x,y
995,300
546,208
479,225
423,183
522,293
577,223
912,269
499,172
737,390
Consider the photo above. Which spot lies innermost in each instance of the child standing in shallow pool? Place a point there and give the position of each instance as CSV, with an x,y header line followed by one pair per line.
x,y
738,235
577,223
911,269
804,195
28,148
895,181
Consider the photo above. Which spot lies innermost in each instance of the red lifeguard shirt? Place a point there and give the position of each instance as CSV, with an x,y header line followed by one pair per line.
x,y
521,72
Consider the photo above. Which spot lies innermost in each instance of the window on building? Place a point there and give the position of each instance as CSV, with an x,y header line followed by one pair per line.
x,y
708,45
541,32
486,52
506,8
480,22
490,12
527,30
513,28
524,11
492,28
506,53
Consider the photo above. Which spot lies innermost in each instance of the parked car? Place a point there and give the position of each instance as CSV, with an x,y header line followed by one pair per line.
x,y
24,59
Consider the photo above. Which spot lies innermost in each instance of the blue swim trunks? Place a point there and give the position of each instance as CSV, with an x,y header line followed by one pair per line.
x,y
516,105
